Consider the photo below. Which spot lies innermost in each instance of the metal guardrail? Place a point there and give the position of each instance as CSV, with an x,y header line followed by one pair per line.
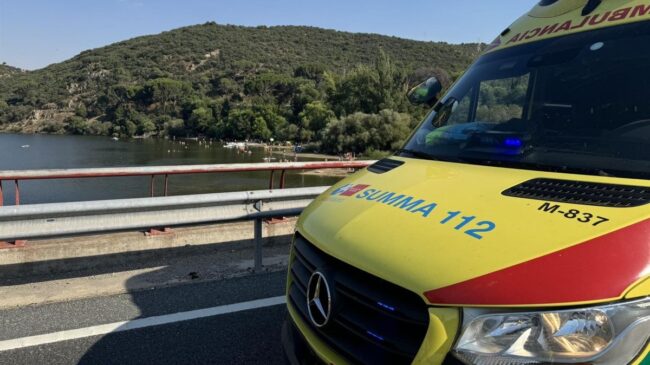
x,y
21,222
62,219
167,171
47,220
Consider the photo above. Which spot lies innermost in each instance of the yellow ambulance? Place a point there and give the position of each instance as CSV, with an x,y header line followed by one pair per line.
x,y
512,228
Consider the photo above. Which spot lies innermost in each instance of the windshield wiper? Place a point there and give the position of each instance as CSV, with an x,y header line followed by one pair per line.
x,y
512,164
477,161
416,154
426,156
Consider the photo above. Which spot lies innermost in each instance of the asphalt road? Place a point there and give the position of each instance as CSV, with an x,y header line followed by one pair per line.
x,y
236,336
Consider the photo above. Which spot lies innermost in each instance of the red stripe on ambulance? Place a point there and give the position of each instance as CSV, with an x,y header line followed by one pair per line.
x,y
600,269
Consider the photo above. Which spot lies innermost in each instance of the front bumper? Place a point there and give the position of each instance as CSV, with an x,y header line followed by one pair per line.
x,y
296,348
303,347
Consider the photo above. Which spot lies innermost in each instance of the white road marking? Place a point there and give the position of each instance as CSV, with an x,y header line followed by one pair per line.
x,y
103,329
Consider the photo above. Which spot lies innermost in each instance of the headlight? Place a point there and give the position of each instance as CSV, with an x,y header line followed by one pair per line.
x,y
611,334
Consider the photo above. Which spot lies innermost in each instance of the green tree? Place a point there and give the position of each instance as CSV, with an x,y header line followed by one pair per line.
x,y
145,125
5,110
357,92
98,128
81,111
226,87
316,116
201,119
26,92
272,116
245,124
388,79
362,133
166,92
289,133
305,93
311,71
175,127
260,129
76,125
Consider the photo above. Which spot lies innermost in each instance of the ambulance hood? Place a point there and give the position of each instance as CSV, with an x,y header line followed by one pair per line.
x,y
448,232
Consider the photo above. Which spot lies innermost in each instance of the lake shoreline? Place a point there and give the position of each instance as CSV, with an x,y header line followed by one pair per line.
x,y
46,151
266,152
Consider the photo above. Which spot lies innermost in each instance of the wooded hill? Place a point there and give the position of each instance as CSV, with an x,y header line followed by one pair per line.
x,y
6,70
299,84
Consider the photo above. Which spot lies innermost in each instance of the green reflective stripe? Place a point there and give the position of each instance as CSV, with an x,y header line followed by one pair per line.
x,y
646,361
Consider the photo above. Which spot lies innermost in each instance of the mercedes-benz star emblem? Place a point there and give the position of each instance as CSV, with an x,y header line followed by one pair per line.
x,y
319,300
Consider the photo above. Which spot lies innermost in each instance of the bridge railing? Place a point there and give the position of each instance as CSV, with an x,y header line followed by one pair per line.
x,y
18,223
166,172
76,218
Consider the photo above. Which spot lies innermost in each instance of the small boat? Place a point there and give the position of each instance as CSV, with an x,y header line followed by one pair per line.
x,y
115,139
25,146
239,145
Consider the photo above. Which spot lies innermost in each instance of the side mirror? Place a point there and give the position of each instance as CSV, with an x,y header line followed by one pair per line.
x,y
425,93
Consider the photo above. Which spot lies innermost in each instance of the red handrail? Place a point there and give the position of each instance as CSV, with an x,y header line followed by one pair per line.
x,y
166,171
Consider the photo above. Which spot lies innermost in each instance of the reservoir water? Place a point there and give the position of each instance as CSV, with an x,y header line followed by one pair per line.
x,y
22,152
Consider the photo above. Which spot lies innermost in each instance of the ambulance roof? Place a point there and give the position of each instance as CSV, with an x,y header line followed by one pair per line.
x,y
556,18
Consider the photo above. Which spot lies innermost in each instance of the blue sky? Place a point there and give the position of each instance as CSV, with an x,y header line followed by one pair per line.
x,y
35,33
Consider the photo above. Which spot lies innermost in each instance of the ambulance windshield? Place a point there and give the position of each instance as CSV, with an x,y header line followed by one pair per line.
x,y
578,103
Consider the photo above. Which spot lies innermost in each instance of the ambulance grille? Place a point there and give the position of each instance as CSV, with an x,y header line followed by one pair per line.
x,y
385,165
579,192
372,322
